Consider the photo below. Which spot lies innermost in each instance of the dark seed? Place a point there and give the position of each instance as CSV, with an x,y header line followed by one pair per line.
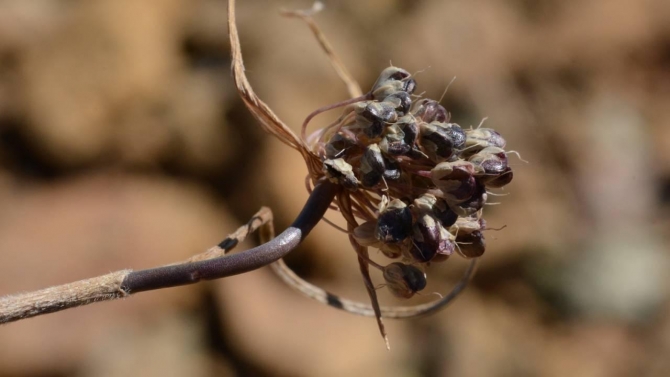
x,y
409,86
404,280
474,203
394,224
501,180
442,140
400,101
430,111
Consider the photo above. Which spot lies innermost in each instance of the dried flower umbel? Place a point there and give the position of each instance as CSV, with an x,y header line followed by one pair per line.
x,y
421,195
414,182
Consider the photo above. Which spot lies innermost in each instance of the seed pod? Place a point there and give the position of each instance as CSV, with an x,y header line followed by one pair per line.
x,y
340,172
393,80
393,142
400,101
480,138
391,250
441,141
409,128
490,161
473,204
365,234
501,180
424,204
429,110
467,225
372,166
455,179
426,238
404,280
374,116
471,245
392,172
444,213
394,223
338,146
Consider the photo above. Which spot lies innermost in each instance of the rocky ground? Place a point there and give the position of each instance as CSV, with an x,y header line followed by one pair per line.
x,y
123,144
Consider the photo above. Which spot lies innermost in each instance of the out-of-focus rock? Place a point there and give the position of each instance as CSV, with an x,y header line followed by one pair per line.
x,y
89,226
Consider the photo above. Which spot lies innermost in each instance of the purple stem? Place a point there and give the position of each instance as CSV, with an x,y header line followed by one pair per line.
x,y
233,264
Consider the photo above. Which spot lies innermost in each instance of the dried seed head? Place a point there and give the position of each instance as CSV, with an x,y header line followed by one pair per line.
x,y
404,280
394,223
340,172
401,148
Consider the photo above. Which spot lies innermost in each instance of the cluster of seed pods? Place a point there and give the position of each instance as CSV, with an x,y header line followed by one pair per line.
x,y
426,177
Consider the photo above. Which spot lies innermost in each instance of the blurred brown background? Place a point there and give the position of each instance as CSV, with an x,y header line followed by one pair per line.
x,y
124,145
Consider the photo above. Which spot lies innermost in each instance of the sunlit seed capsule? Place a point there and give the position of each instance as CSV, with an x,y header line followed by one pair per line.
x,y
371,179
372,166
394,223
424,204
374,117
409,85
490,161
501,180
444,214
391,250
447,243
340,172
393,142
441,141
338,146
480,138
473,204
372,159
401,101
392,80
471,245
467,225
392,172
365,234
455,179
390,74
404,280
425,238
429,111
409,128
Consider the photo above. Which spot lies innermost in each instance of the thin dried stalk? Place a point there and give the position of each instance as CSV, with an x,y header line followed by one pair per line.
x,y
306,15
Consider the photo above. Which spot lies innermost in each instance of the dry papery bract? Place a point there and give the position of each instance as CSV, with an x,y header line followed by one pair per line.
x,y
414,183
